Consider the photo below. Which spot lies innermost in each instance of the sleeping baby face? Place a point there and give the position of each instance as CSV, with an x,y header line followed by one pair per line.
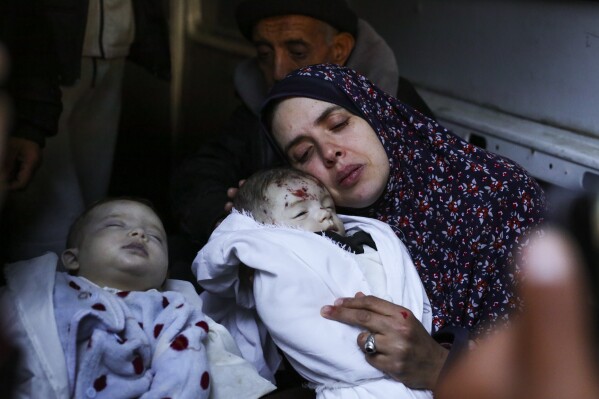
x,y
122,245
303,203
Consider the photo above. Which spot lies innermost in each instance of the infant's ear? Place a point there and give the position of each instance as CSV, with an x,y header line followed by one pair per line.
x,y
70,259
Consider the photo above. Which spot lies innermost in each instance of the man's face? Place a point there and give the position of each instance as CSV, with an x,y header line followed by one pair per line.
x,y
286,43
303,203
123,245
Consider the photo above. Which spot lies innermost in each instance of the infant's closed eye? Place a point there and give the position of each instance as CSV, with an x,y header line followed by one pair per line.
x,y
156,237
300,214
114,224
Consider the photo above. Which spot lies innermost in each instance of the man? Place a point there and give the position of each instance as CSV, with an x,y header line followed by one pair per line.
x,y
68,60
33,85
287,35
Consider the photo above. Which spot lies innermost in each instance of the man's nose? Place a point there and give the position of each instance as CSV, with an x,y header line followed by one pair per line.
x,y
283,65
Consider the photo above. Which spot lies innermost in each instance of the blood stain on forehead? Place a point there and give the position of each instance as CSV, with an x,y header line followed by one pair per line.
x,y
300,192
300,189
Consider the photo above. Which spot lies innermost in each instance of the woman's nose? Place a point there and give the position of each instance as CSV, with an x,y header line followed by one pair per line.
x,y
331,154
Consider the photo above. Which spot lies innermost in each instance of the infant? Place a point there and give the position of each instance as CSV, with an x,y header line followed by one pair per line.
x,y
296,272
113,326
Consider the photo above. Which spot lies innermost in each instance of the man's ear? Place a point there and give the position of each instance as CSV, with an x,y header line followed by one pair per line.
x,y
70,259
343,44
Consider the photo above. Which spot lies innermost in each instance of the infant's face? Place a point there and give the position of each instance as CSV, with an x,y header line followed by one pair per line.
x,y
124,246
305,204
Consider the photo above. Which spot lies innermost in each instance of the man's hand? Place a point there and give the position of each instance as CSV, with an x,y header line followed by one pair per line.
x,y
23,157
405,350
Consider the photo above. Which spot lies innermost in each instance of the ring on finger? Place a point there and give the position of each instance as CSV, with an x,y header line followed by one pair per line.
x,y
370,345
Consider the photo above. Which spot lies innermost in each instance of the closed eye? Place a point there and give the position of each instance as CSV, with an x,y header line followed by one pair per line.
x,y
263,51
340,126
298,55
303,154
114,224
300,214
156,237
297,50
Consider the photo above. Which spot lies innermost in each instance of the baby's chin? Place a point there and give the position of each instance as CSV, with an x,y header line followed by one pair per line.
x,y
140,283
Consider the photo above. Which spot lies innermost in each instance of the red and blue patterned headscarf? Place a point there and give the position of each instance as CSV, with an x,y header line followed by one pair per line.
x,y
461,211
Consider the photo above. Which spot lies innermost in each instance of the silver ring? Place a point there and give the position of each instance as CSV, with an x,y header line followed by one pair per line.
x,y
369,345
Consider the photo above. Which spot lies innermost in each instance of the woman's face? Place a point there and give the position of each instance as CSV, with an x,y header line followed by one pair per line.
x,y
335,146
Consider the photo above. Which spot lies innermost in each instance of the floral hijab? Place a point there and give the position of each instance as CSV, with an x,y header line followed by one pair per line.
x,y
460,210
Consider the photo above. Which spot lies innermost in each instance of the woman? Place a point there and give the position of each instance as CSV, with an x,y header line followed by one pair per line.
x,y
459,209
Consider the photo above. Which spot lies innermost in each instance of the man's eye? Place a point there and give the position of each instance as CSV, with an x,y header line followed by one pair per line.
x,y
263,52
298,51
263,55
298,54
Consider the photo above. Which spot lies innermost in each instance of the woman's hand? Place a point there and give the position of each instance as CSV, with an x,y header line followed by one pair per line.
x,y
404,349
231,194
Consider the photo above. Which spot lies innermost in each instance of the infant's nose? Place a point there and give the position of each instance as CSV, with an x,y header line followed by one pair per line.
x,y
138,232
325,214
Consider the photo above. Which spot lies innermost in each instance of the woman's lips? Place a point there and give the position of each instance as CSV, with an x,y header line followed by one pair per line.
x,y
349,175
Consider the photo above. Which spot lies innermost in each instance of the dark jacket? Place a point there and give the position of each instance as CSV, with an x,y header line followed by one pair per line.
x,y
45,40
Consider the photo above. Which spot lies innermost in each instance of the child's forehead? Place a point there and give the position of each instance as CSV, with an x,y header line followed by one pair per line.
x,y
122,208
298,181
296,189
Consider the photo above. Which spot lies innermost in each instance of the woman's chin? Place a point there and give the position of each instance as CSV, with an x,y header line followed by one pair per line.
x,y
364,196
356,201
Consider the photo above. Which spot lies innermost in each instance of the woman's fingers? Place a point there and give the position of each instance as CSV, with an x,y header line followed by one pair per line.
x,y
405,350
231,194
369,312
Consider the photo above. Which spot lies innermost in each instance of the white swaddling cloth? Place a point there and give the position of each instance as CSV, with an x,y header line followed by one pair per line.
x,y
296,273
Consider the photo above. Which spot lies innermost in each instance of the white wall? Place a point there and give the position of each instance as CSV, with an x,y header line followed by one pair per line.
x,y
537,61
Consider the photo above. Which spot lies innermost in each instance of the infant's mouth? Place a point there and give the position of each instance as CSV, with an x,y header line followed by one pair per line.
x,y
137,247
